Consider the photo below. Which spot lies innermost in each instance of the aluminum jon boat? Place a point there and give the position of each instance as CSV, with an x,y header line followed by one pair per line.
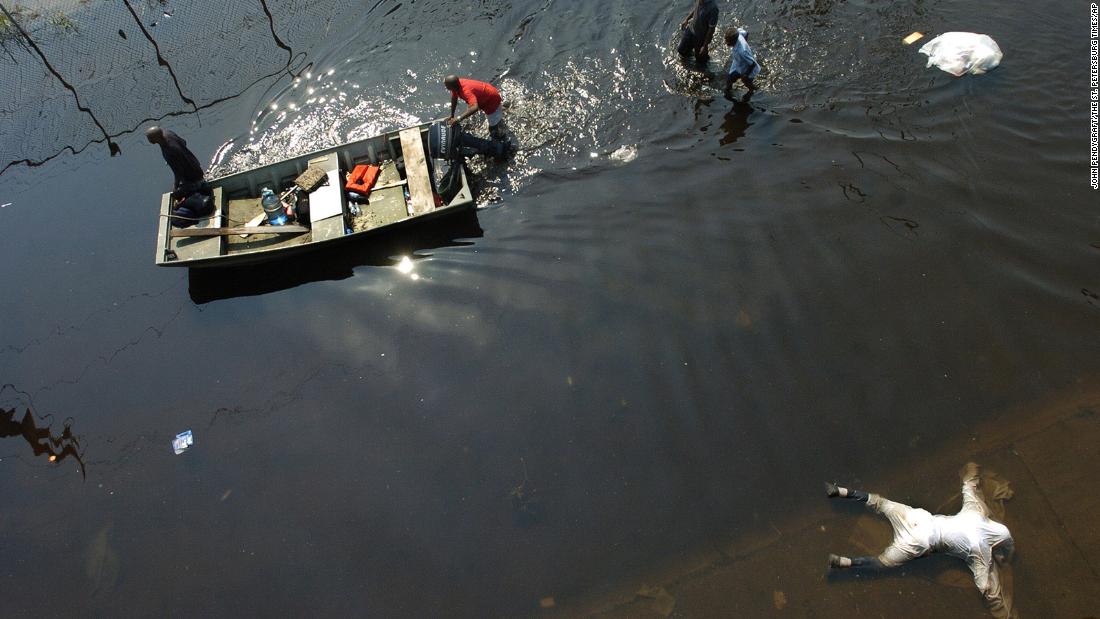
x,y
421,176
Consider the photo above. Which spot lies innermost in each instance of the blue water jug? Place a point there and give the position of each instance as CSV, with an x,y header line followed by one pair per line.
x,y
276,216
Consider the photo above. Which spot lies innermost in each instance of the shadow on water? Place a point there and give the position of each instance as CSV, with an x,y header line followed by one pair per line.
x,y
736,121
942,569
331,264
33,35
41,439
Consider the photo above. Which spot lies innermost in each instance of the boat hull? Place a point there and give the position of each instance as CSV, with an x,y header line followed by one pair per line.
x,y
404,195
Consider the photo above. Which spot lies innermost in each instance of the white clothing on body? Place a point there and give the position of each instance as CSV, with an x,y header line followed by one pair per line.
x,y
969,535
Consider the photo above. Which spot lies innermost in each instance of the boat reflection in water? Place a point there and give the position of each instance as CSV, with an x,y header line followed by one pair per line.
x,y
332,263
41,440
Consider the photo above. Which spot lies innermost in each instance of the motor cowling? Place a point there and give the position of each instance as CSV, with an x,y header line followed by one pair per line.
x,y
450,141
447,161
443,140
448,147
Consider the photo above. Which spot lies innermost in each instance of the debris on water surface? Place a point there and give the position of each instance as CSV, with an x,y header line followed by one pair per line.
x,y
625,154
959,53
744,320
779,599
913,38
182,442
662,601
524,504
547,602
102,563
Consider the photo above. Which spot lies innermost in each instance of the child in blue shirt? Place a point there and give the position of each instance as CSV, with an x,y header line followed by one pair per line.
x,y
743,65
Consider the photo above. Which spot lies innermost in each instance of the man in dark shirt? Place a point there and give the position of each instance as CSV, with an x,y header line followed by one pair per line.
x,y
185,166
697,30
191,196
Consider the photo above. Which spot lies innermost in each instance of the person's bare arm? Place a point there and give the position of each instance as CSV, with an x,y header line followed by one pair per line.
x,y
470,111
706,40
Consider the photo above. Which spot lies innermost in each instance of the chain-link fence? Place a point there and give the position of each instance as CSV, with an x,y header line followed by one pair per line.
x,y
78,73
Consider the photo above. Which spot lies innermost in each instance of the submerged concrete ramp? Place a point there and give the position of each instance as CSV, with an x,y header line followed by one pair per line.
x,y
1049,454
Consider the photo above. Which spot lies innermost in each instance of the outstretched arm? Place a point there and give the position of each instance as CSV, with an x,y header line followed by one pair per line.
x,y
971,489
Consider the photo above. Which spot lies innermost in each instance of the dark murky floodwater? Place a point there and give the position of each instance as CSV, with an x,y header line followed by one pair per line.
x,y
672,318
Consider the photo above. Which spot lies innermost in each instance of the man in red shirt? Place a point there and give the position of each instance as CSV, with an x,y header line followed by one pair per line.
x,y
479,96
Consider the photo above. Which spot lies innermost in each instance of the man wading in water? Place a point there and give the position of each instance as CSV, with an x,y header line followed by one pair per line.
x,y
697,30
479,96
969,535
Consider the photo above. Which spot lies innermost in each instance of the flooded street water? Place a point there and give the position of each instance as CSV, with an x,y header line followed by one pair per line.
x,y
670,320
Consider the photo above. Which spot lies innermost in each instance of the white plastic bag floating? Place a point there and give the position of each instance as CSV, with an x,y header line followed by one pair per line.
x,y
963,52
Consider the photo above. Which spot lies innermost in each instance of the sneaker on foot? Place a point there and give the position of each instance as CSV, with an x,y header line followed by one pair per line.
x,y
831,490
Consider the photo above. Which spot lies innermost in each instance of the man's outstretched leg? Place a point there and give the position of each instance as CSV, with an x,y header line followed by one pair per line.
x,y
840,563
834,491
902,518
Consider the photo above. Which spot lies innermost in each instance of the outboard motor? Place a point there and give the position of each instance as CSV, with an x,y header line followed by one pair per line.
x,y
441,140
446,161
448,142
448,146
